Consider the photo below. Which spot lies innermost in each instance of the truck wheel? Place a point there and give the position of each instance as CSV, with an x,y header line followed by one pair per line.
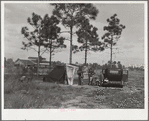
x,y
121,86
103,84
44,79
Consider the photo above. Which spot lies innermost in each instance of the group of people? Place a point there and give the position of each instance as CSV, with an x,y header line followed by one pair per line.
x,y
113,65
90,75
91,71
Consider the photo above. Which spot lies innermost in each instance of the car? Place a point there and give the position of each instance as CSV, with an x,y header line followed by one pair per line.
x,y
113,77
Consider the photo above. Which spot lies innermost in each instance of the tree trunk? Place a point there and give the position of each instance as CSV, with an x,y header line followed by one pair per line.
x,y
70,61
111,50
111,53
50,53
38,61
86,52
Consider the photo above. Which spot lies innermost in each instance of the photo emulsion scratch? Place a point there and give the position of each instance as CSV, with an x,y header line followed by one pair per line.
x,y
67,56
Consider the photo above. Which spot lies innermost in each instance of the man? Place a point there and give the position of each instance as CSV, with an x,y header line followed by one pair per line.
x,y
114,64
80,74
101,78
109,64
90,75
119,65
105,66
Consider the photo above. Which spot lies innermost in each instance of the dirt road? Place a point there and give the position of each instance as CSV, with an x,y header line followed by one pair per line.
x,y
86,100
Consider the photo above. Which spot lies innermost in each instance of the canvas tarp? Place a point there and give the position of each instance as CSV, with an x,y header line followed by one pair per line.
x,y
64,74
72,75
68,74
58,74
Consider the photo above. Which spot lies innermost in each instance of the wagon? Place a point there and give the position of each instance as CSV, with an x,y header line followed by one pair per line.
x,y
113,77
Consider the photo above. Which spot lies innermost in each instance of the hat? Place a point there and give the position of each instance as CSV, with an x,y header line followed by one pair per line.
x,y
114,62
118,62
109,61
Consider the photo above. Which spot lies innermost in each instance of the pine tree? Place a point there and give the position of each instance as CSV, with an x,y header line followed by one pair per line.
x,y
71,15
88,37
113,34
51,32
44,31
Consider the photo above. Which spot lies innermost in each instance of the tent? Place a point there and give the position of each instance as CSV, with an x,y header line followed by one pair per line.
x,y
58,74
63,74
72,75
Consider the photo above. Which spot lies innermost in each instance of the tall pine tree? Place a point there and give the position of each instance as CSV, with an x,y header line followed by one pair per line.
x,y
50,33
33,37
71,15
88,37
113,32
44,31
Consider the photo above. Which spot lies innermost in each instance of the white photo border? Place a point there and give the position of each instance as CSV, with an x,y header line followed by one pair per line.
x,y
81,114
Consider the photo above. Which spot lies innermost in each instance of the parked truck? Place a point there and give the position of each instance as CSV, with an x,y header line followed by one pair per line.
x,y
114,77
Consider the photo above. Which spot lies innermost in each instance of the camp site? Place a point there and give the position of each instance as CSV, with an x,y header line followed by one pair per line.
x,y
74,56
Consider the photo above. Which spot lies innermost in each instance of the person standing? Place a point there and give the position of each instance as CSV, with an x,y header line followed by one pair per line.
x,y
119,65
109,64
101,78
80,75
90,75
114,64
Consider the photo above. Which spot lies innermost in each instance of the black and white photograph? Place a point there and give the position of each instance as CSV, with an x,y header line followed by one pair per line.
x,y
74,60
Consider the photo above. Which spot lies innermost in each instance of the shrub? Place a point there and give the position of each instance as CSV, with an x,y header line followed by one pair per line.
x,y
8,88
9,84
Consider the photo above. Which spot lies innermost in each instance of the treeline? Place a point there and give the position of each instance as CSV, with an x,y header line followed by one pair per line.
x,y
141,68
46,35
10,64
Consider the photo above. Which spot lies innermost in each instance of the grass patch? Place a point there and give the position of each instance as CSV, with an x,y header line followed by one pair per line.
x,y
127,101
37,95
22,95
118,99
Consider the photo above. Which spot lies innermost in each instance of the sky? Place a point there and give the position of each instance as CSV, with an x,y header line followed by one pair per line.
x,y
130,46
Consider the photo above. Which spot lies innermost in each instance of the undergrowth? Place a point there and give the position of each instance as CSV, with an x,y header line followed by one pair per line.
x,y
21,95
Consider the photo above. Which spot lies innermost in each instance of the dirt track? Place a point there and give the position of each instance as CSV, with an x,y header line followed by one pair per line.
x,y
86,100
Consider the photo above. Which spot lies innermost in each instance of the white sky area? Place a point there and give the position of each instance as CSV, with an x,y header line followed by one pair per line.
x,y
130,46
